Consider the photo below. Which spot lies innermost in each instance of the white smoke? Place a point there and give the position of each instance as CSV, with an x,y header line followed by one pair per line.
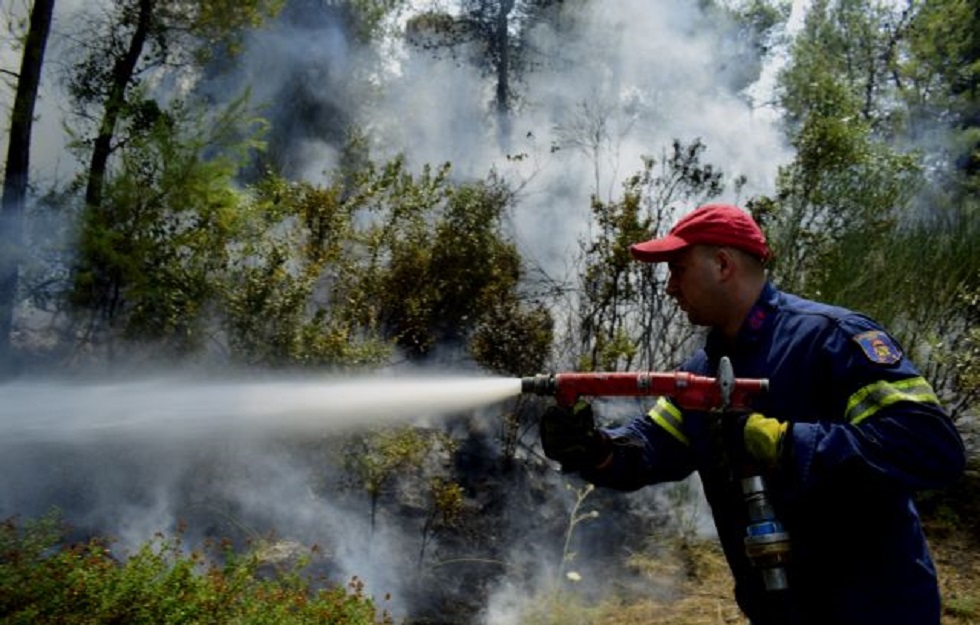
x,y
645,73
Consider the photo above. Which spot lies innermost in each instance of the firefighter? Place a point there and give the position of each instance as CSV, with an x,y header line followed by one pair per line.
x,y
848,431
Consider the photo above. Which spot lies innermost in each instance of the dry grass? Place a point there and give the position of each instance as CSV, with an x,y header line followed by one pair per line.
x,y
686,581
693,586
696,584
952,523
957,557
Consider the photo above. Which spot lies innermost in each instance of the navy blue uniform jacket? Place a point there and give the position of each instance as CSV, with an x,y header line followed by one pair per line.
x,y
866,431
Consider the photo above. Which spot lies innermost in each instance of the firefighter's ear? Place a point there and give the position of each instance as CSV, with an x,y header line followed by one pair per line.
x,y
724,261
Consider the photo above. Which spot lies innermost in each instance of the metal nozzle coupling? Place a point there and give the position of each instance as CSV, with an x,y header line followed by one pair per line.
x,y
539,385
767,543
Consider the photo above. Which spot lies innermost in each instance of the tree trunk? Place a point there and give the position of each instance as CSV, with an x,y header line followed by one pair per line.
x,y
104,287
122,74
502,43
17,168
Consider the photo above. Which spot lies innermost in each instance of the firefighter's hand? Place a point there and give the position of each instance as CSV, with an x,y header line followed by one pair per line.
x,y
569,436
763,438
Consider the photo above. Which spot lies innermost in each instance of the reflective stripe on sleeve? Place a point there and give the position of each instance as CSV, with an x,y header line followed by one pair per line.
x,y
872,398
670,418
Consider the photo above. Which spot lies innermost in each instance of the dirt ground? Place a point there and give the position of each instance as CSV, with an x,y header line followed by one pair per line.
x,y
704,597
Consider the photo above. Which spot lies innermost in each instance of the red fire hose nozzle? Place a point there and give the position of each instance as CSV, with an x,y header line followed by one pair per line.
x,y
689,391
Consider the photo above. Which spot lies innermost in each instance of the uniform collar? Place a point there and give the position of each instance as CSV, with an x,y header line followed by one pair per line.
x,y
756,325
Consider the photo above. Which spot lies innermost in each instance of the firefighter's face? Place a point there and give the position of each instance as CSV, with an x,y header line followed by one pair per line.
x,y
694,283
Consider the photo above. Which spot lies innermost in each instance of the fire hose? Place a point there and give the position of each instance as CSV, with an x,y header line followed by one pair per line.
x,y
767,543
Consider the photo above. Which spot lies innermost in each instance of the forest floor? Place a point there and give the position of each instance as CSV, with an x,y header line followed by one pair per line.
x,y
704,596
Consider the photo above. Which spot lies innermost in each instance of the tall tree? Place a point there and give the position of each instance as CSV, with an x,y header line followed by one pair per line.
x,y
18,167
134,41
870,101
493,20
122,70
499,29
846,179
940,74
168,219
941,82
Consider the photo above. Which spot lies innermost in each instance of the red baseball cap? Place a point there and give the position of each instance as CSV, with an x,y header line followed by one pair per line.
x,y
710,224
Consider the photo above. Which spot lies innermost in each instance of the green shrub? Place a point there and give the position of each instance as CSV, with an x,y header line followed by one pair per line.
x,y
43,580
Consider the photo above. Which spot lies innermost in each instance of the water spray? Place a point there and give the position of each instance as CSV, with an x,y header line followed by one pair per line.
x,y
178,407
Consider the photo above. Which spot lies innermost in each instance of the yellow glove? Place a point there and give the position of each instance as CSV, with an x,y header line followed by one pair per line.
x,y
763,439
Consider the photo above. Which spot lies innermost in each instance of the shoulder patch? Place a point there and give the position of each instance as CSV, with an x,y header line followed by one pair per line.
x,y
878,347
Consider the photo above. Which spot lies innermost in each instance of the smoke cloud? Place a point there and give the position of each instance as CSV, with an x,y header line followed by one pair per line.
x,y
619,82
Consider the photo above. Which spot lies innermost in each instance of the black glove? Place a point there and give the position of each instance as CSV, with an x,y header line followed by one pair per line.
x,y
569,436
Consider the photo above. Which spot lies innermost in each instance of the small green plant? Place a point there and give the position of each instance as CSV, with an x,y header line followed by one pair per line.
x,y
445,510
560,607
43,580
575,517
